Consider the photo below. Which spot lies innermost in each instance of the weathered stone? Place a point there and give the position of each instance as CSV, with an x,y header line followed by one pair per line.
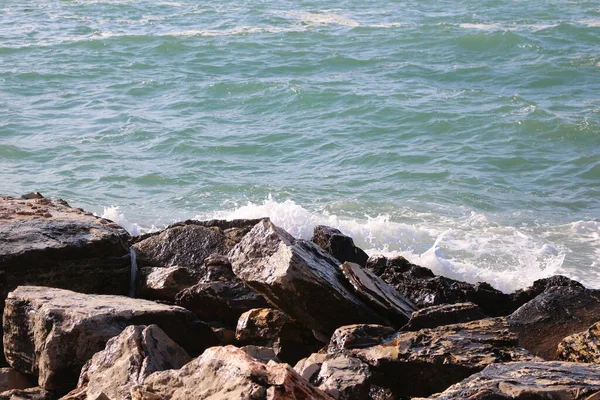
x,y
188,243
529,380
228,373
522,296
34,393
52,332
126,361
359,336
542,323
338,245
219,295
13,379
428,361
444,314
581,347
45,242
270,327
261,353
157,283
341,376
301,280
425,289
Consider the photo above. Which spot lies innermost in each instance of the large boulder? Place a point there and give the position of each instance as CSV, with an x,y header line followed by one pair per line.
x,y
424,288
157,283
51,333
338,245
444,314
560,311
538,287
269,327
529,380
228,373
305,282
219,295
126,361
430,360
581,347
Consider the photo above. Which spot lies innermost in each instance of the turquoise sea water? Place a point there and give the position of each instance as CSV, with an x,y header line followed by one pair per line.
x,y
464,135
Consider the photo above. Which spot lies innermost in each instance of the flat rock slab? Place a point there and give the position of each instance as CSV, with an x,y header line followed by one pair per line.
x,y
45,242
302,280
529,380
430,360
228,373
51,333
444,314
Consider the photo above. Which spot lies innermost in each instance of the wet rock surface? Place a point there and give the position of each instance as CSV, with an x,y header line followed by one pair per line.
x,y
581,347
558,312
338,245
300,279
529,380
246,378
51,333
126,361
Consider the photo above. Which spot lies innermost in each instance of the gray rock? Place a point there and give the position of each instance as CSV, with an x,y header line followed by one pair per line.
x,y
529,380
581,347
52,332
301,280
445,314
338,245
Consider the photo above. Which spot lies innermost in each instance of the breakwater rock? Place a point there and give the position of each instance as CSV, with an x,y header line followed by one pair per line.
x,y
241,309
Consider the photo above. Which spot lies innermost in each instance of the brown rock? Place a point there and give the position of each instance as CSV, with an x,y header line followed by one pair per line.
x,y
219,295
444,314
164,283
424,288
228,373
428,361
301,280
52,332
581,347
13,379
338,245
542,323
529,380
126,361
359,336
269,327
34,393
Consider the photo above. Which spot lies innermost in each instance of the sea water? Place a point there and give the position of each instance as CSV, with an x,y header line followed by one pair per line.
x,y
463,135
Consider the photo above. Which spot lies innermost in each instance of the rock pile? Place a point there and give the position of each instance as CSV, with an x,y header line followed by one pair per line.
x,y
243,310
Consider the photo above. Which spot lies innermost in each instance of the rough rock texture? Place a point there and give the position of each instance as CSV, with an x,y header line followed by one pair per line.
x,y
359,336
581,347
269,327
34,393
13,379
52,332
341,376
445,314
522,296
428,361
301,280
425,289
228,373
157,283
126,361
261,353
542,323
188,243
530,381
338,245
219,295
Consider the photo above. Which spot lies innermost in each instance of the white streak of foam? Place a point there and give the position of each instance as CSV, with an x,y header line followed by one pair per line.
x,y
114,214
322,18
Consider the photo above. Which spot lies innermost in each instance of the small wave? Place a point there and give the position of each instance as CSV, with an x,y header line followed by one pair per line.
x,y
312,18
114,214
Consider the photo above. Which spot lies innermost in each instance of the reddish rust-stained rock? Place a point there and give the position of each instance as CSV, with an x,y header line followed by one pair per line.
x,y
581,347
529,380
228,373
302,280
445,314
53,332
338,245
545,321
126,361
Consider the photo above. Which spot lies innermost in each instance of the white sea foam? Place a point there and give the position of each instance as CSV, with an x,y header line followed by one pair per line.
x,y
320,18
114,214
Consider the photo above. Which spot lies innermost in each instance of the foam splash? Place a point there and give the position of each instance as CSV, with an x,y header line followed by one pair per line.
x,y
114,214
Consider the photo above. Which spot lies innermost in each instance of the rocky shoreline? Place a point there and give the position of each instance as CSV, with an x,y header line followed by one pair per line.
x,y
243,310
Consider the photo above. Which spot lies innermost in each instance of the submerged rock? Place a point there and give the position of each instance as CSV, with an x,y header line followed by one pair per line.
x,y
302,280
51,333
338,245
542,323
228,373
529,380
126,361
581,347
